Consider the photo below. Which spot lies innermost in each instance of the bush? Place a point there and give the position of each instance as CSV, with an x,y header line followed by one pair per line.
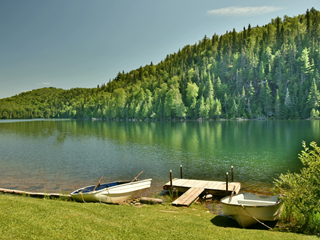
x,y
302,200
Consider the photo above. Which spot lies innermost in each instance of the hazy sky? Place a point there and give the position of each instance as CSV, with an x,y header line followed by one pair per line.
x,y
80,43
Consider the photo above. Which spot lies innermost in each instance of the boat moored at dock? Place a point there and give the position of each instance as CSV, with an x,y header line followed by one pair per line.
x,y
248,209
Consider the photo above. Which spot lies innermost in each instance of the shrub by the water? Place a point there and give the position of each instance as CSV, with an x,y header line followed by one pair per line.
x,y
302,198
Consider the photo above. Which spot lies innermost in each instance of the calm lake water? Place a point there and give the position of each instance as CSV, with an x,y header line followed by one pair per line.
x,y
62,155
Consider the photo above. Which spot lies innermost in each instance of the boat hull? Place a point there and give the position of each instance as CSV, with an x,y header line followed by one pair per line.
x,y
247,209
111,194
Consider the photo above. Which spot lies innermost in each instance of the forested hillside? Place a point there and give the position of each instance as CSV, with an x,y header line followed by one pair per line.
x,y
261,72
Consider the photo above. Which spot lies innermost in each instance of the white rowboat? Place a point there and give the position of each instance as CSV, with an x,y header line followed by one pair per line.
x,y
248,209
114,192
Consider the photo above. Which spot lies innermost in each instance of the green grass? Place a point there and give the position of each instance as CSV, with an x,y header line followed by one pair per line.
x,y
31,218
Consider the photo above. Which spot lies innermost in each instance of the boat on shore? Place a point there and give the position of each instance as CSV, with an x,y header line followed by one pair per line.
x,y
113,192
248,209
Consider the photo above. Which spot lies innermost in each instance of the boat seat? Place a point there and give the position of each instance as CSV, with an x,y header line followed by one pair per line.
x,y
112,184
255,202
107,185
102,186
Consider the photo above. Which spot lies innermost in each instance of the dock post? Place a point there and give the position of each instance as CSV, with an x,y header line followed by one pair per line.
x,y
231,173
181,171
170,180
227,181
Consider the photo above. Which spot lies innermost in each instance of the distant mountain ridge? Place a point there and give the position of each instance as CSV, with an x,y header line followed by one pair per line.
x,y
261,72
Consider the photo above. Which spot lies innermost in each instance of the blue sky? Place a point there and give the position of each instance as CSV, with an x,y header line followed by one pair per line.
x,y
79,43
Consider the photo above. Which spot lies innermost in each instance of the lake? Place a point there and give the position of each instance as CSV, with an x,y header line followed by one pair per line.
x,y
62,155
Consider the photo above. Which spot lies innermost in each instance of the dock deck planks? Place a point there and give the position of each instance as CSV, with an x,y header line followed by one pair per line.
x,y
188,197
193,188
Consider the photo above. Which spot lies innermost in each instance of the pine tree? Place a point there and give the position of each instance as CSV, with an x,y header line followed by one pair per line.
x,y
313,97
268,100
287,105
203,109
277,107
234,110
192,94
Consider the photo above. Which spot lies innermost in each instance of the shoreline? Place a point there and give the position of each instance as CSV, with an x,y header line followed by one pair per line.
x,y
151,120
155,189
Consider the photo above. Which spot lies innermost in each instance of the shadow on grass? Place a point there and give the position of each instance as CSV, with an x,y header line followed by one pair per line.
x,y
222,221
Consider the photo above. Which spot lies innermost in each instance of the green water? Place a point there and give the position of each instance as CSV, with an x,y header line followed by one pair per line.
x,y
59,156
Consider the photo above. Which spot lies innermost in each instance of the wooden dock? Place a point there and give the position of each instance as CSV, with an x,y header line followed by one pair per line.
x,y
35,194
194,188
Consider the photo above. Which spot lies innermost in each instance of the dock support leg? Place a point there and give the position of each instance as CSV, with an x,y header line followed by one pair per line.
x,y
227,181
181,171
171,181
231,173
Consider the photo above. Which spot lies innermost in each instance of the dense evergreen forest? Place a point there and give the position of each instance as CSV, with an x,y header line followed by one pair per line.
x,y
261,72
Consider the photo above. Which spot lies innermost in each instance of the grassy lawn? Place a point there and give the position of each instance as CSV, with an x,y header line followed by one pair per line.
x,y
31,218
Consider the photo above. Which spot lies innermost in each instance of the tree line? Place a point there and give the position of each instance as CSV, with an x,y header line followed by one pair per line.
x,y
269,71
